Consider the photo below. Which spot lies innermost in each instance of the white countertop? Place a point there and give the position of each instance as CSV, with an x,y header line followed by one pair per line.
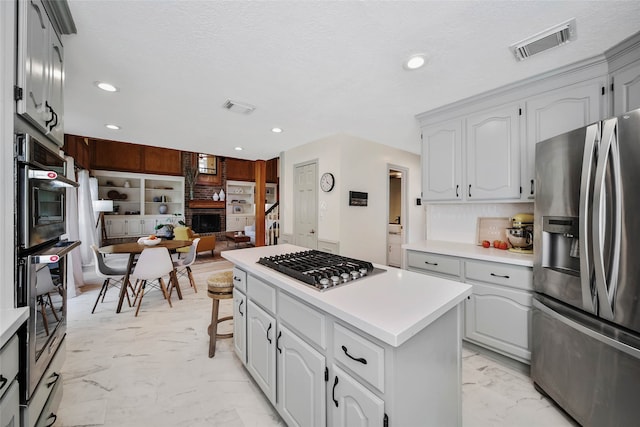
x,y
10,320
393,306
469,250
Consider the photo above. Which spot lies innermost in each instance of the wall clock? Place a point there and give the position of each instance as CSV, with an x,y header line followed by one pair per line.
x,y
327,181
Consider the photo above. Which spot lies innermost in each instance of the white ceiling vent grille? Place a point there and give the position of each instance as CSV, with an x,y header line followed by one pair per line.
x,y
238,107
554,36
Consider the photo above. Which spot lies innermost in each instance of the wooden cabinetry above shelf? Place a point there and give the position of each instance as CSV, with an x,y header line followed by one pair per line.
x,y
206,204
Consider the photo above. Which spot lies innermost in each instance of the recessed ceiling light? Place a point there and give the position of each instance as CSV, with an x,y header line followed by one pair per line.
x,y
107,87
276,130
112,127
238,148
415,61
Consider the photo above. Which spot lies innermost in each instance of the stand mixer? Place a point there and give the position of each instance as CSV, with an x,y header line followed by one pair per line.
x,y
520,235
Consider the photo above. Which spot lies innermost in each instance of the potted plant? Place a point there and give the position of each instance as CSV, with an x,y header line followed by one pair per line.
x,y
166,230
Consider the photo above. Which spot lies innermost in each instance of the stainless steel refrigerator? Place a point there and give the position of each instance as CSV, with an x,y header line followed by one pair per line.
x,y
586,310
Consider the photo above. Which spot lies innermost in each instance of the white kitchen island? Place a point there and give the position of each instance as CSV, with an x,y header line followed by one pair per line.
x,y
381,350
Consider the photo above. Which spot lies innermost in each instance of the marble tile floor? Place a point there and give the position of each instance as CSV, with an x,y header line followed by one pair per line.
x,y
153,370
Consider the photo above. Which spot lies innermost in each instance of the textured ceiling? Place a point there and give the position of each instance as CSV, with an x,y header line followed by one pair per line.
x,y
313,68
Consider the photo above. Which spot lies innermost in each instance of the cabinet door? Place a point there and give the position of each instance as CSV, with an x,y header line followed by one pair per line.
x,y
352,404
117,156
301,384
56,87
10,407
626,89
116,227
555,113
148,226
493,154
500,318
261,349
33,60
442,162
134,227
240,324
238,169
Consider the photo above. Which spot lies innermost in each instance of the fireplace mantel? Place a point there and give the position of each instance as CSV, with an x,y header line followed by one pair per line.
x,y
206,204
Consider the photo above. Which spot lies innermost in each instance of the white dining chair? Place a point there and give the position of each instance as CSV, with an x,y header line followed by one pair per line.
x,y
113,277
153,265
183,266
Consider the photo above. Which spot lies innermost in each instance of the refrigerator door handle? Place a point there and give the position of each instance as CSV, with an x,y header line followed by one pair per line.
x,y
608,155
589,293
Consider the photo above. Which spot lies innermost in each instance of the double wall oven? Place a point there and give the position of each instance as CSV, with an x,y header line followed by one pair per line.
x,y
41,253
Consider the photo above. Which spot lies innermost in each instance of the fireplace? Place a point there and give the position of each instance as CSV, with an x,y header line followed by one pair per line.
x,y
205,223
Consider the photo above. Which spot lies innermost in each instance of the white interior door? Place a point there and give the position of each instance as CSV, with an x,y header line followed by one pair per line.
x,y
306,205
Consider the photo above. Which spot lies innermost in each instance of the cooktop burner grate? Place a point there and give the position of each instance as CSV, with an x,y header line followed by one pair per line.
x,y
321,270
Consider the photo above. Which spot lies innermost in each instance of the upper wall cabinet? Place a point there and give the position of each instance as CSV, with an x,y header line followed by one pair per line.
x,y
162,160
126,157
489,149
240,170
40,71
442,162
493,154
554,113
626,89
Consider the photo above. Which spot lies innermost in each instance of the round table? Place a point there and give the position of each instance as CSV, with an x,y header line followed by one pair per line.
x,y
133,249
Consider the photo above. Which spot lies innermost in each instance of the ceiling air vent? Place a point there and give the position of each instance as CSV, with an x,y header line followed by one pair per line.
x,y
554,36
238,107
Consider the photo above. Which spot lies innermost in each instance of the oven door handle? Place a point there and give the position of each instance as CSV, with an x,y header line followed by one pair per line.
x,y
45,175
53,255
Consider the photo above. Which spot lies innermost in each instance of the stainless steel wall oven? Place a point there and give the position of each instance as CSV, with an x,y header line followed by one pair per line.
x,y
41,189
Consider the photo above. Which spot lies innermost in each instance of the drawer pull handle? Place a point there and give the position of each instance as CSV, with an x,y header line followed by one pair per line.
x,y
240,308
269,329
457,187
469,190
278,342
3,381
53,379
431,263
53,421
236,279
333,392
498,275
358,359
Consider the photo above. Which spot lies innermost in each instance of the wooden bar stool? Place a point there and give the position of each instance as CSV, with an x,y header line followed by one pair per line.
x,y
219,286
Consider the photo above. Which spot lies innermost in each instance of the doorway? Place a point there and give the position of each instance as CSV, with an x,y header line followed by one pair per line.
x,y
396,215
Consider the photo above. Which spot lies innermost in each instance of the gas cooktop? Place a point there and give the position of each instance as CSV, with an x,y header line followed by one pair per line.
x,y
320,270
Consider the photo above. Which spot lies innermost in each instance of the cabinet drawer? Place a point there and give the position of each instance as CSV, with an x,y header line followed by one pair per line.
x,y
360,355
262,293
303,318
433,263
45,393
500,274
9,363
240,279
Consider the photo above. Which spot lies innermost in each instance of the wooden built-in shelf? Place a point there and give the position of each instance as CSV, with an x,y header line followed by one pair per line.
x,y
206,204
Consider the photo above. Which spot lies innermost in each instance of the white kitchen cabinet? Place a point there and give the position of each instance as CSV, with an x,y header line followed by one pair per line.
x,y
148,226
498,313
238,222
493,154
9,395
301,381
353,405
442,161
394,256
500,318
40,71
626,89
240,324
123,227
554,113
261,349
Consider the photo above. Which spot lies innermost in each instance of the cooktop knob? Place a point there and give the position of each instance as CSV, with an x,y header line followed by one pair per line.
x,y
363,272
345,277
335,280
355,275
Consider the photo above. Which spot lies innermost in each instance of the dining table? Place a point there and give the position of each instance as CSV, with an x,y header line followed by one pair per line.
x,y
135,248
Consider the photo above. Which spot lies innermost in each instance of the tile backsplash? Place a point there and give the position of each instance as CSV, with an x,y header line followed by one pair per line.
x,y
457,222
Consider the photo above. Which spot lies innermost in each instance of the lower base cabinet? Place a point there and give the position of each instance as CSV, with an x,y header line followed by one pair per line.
x,y
301,381
352,404
316,370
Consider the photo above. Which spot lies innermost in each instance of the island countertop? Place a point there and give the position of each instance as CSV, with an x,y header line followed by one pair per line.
x,y
392,306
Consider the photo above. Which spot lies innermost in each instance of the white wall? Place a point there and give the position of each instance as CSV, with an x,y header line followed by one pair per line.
x,y
7,66
358,165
